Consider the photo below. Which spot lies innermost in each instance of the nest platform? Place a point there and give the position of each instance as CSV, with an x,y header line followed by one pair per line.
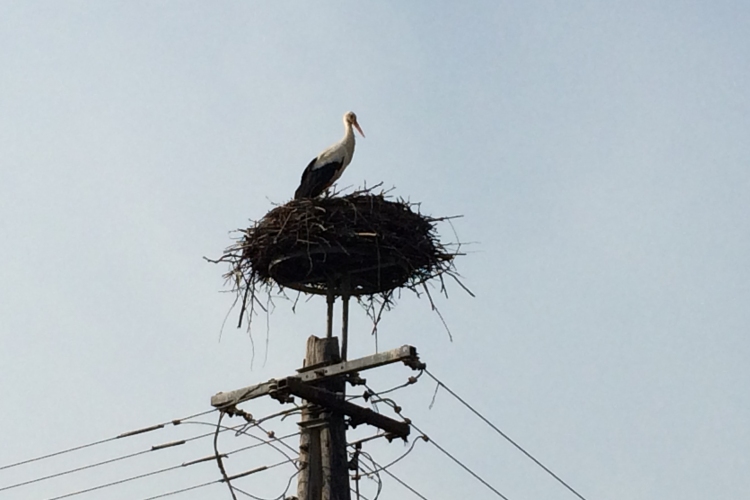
x,y
359,244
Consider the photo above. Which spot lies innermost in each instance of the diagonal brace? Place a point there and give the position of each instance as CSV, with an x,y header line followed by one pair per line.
x,y
330,401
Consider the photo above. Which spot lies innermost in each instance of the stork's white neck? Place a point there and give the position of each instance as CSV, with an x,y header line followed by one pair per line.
x,y
348,132
348,139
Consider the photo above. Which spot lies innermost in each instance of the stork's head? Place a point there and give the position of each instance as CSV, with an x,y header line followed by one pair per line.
x,y
351,119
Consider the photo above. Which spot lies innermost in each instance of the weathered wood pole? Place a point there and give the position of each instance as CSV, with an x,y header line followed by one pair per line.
x,y
323,458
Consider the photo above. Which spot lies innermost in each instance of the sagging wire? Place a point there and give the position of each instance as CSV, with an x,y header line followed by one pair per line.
x,y
374,396
377,468
411,448
280,497
410,381
219,460
374,399
354,465
371,471
251,422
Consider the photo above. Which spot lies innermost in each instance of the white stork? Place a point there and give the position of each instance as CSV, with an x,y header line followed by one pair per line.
x,y
327,167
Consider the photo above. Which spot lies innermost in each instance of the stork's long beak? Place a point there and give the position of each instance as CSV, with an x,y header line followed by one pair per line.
x,y
356,125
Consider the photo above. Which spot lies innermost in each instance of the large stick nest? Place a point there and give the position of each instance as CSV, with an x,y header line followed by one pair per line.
x,y
360,244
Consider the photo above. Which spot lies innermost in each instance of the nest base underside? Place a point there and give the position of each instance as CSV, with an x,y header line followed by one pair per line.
x,y
360,270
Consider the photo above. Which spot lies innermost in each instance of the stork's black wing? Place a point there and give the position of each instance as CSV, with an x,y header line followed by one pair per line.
x,y
315,180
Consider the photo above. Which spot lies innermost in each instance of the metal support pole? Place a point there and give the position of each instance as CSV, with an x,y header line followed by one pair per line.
x,y
330,298
345,294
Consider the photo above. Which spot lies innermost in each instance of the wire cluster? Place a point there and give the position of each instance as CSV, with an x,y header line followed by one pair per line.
x,y
362,463
142,456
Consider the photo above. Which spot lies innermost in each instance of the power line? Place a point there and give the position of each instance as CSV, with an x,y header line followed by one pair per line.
x,y
177,421
131,478
174,467
457,461
183,490
76,448
507,438
240,428
184,464
220,480
157,448
360,496
404,484
109,461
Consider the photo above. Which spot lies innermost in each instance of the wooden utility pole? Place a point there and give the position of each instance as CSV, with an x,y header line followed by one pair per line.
x,y
324,471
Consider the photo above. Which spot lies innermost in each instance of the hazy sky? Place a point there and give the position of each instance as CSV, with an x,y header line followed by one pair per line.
x,y
598,152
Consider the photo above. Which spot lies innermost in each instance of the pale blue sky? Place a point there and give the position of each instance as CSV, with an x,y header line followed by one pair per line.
x,y
597,150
